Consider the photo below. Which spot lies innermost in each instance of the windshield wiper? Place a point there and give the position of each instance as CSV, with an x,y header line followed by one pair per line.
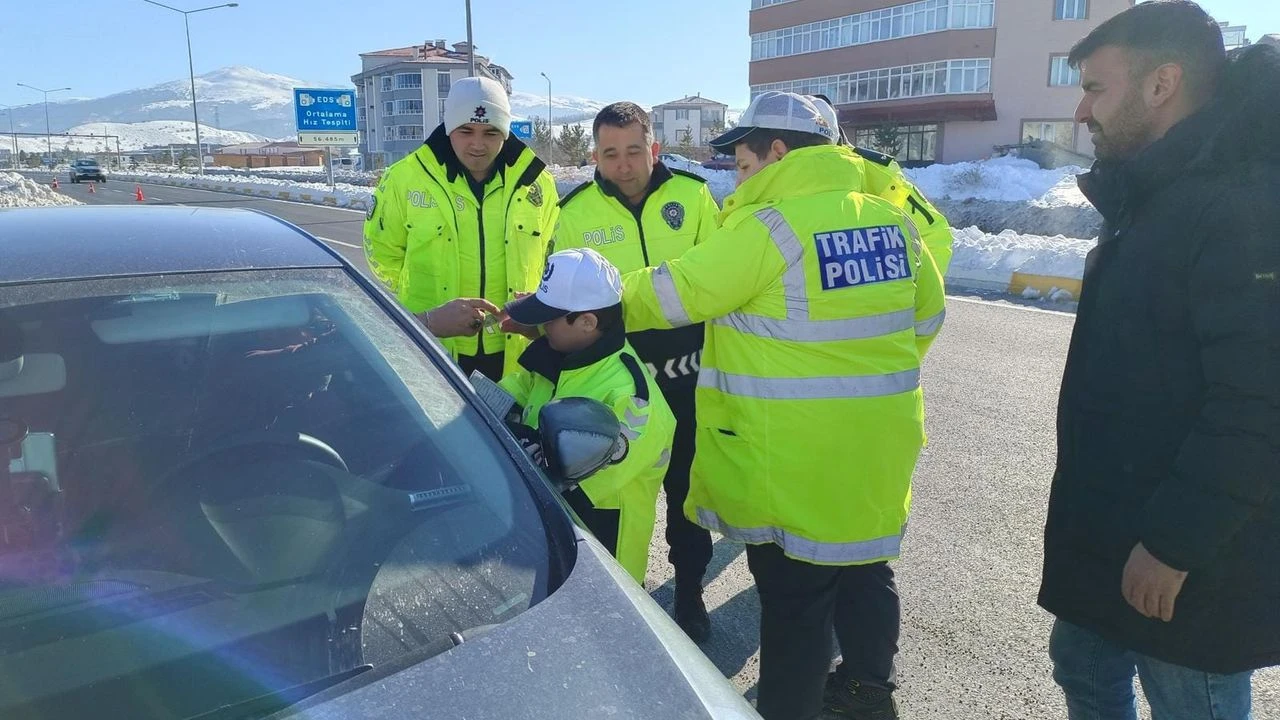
x,y
271,703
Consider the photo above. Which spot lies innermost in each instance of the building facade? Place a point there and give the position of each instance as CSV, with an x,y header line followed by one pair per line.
x,y
694,118
400,95
944,80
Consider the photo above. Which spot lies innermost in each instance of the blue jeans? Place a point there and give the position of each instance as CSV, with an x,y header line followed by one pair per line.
x,y
1097,679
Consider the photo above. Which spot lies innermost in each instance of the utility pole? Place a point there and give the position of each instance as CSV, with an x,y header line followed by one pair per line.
x,y
471,45
191,68
551,128
13,161
47,133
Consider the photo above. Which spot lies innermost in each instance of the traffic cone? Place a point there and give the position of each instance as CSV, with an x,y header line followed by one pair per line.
x,y
137,193
91,190
55,183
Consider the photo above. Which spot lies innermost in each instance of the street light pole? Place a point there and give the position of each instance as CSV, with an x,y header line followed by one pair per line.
x,y
551,130
471,47
13,160
47,132
191,67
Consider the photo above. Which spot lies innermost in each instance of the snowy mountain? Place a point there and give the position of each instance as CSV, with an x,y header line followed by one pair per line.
x,y
135,136
233,98
564,108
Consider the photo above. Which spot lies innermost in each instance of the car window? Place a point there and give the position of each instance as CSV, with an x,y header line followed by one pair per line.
x,y
232,484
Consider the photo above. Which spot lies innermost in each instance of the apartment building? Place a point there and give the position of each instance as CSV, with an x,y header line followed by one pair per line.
x,y
694,117
952,78
401,91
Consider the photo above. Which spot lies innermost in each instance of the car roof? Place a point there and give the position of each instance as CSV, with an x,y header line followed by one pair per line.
x,y
95,241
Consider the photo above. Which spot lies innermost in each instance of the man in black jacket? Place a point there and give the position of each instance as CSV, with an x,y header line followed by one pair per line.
x,y
1162,541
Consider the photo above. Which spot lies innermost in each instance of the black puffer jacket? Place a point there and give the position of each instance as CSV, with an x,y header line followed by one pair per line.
x,y
1169,416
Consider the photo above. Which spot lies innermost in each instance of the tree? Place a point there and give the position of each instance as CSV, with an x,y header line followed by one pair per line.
x,y
573,147
685,142
542,139
888,139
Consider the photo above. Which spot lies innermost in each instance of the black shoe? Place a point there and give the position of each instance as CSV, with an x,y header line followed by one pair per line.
x,y
691,613
860,702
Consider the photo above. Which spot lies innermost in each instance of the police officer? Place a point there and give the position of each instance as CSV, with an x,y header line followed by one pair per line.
x,y
637,212
820,302
462,224
882,176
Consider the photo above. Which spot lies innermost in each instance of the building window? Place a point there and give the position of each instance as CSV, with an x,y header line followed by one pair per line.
x,y
409,132
440,107
917,18
389,108
1062,132
949,77
1070,9
361,116
444,81
1061,74
682,114
408,107
908,143
408,81
386,83
757,4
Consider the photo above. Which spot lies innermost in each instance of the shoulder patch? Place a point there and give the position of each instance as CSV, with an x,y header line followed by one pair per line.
x,y
373,205
570,195
688,174
535,195
878,158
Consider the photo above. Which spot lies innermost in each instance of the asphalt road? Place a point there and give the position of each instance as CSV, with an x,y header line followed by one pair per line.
x,y
974,642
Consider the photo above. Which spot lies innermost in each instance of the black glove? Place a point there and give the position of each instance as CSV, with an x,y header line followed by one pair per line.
x,y
531,442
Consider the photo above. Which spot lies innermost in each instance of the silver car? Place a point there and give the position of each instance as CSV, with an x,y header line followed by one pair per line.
x,y
240,482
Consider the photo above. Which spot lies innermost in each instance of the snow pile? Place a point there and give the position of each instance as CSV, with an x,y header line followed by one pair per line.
x,y
17,191
344,195
996,257
1005,179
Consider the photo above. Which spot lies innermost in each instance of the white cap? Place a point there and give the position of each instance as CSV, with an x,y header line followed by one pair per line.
x,y
776,111
828,114
477,100
579,280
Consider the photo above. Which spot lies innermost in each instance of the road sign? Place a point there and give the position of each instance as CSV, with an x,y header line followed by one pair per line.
x,y
522,129
329,139
322,110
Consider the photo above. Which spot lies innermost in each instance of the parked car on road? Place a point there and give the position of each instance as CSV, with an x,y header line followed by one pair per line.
x,y
240,480
720,162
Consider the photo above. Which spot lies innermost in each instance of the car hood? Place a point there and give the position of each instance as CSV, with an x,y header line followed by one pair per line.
x,y
597,647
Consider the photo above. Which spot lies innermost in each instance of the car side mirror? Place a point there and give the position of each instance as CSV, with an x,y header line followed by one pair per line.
x,y
580,436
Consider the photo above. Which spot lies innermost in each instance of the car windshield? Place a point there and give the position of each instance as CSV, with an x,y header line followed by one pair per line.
x,y
87,163
221,487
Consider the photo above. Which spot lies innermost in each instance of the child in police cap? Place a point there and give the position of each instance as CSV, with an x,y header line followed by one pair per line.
x,y
583,352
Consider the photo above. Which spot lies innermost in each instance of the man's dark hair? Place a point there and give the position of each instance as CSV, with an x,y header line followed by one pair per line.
x,y
620,115
1160,32
606,318
759,140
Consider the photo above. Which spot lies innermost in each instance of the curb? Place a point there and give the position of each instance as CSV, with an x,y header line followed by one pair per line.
x,y
1025,285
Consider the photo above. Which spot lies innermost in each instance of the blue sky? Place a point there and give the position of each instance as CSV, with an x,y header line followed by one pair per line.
x,y
641,50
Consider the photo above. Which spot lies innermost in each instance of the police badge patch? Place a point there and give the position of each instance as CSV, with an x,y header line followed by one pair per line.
x,y
373,206
673,213
535,195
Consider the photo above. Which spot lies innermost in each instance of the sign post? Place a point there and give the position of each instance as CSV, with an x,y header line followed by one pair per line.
x,y
326,118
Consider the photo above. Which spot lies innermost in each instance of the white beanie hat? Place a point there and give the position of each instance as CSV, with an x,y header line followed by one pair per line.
x,y
477,100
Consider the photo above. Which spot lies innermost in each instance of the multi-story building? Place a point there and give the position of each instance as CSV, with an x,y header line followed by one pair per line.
x,y
948,79
401,91
694,117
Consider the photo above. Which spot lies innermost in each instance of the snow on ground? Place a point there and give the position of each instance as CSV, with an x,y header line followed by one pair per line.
x,y
18,191
988,261
1007,179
